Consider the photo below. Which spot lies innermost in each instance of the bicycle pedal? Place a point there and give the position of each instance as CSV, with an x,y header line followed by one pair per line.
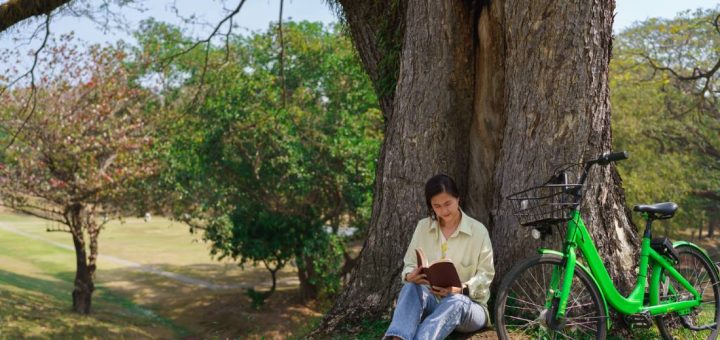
x,y
642,320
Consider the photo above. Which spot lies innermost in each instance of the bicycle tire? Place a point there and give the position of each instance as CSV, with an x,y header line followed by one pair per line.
x,y
700,272
586,316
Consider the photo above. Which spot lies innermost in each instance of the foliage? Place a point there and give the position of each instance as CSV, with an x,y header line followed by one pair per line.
x,y
77,153
81,143
262,177
389,30
668,115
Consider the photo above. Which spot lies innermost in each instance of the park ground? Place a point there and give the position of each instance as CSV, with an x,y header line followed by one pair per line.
x,y
154,280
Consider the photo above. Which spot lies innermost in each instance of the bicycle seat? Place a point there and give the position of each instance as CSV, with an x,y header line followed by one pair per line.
x,y
658,211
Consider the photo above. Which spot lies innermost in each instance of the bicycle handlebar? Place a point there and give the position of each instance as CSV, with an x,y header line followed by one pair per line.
x,y
611,157
605,159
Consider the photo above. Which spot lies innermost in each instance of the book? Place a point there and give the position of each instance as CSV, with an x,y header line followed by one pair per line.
x,y
440,273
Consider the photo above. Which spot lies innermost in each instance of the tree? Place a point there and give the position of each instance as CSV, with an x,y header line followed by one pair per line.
x,y
263,162
494,94
77,158
665,91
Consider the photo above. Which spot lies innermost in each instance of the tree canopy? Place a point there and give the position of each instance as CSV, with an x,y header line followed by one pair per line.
x,y
79,155
267,158
665,89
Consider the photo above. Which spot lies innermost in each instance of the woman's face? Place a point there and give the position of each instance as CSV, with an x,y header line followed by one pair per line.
x,y
445,206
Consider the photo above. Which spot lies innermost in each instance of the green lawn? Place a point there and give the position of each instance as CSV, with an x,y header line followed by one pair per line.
x,y
36,282
35,287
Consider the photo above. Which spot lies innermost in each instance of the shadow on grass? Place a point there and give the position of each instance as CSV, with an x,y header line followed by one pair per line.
x,y
34,307
130,303
214,313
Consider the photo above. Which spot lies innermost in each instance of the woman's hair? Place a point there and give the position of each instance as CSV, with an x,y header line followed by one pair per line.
x,y
436,185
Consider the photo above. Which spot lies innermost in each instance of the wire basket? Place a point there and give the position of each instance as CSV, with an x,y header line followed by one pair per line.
x,y
546,204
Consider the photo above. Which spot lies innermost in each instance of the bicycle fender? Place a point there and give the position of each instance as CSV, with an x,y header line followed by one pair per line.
x,y
702,251
544,251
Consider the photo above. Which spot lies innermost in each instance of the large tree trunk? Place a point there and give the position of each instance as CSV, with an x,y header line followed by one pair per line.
x,y
425,135
79,222
495,94
558,111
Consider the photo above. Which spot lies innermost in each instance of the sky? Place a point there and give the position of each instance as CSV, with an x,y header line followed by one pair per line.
x,y
258,14
630,11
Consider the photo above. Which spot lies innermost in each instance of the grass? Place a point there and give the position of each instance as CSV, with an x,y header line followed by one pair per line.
x,y
36,282
35,286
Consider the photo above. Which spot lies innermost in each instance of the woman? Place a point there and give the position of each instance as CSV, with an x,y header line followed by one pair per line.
x,y
425,312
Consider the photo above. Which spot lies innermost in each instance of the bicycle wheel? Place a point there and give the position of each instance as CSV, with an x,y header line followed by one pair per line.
x,y
523,308
701,322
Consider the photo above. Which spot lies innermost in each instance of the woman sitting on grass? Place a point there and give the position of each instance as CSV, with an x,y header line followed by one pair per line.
x,y
429,312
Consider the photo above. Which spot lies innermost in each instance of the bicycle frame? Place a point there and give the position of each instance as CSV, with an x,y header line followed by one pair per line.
x,y
578,238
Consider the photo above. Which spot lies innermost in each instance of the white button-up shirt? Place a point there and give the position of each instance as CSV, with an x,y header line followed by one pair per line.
x,y
468,247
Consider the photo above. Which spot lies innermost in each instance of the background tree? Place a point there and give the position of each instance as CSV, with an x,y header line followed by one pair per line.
x,y
262,163
665,93
77,158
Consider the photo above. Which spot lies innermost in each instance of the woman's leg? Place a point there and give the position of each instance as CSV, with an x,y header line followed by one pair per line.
x,y
414,299
475,319
452,311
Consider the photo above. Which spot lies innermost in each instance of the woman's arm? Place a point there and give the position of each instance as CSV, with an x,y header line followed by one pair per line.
x,y
410,260
479,285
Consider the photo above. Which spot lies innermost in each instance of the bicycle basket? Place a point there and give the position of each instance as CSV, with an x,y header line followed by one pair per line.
x,y
546,204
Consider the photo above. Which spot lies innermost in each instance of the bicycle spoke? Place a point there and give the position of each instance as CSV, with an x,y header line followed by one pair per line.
x,y
699,273
528,302
523,308
591,313
526,305
536,281
524,291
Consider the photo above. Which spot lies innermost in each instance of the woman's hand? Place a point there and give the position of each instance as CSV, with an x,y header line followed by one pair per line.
x,y
417,278
445,291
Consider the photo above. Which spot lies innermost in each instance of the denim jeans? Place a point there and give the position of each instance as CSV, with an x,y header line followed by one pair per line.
x,y
420,315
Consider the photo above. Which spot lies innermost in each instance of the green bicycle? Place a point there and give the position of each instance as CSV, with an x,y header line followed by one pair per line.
x,y
558,295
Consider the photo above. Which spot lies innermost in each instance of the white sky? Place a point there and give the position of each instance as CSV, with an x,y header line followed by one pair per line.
x,y
630,11
257,15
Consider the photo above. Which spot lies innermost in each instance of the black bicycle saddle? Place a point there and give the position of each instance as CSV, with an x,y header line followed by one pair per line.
x,y
658,211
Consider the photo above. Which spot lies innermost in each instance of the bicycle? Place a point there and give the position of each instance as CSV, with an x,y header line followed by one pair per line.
x,y
555,295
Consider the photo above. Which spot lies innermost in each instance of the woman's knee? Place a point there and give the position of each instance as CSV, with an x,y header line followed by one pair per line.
x,y
457,300
409,287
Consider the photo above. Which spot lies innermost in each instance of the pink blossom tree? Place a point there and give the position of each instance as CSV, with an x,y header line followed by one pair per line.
x,y
77,158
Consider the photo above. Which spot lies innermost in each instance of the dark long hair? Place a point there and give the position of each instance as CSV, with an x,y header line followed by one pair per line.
x,y
436,185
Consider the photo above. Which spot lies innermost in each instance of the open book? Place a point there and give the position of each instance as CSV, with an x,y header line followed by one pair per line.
x,y
440,273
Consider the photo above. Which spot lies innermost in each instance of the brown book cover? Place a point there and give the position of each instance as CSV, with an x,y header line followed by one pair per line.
x,y
440,273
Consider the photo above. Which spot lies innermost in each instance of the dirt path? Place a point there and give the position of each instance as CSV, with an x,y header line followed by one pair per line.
x,y
134,265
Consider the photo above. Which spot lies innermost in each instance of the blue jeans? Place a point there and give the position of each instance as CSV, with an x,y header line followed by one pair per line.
x,y
420,315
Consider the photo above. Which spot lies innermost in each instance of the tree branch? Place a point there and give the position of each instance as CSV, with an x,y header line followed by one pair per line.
x,y
697,72
33,90
282,57
15,11
207,40
58,230
43,213
709,194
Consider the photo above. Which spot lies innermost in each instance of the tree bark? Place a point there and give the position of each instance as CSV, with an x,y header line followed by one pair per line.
x,y
425,135
79,221
714,221
558,110
495,94
15,11
306,270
